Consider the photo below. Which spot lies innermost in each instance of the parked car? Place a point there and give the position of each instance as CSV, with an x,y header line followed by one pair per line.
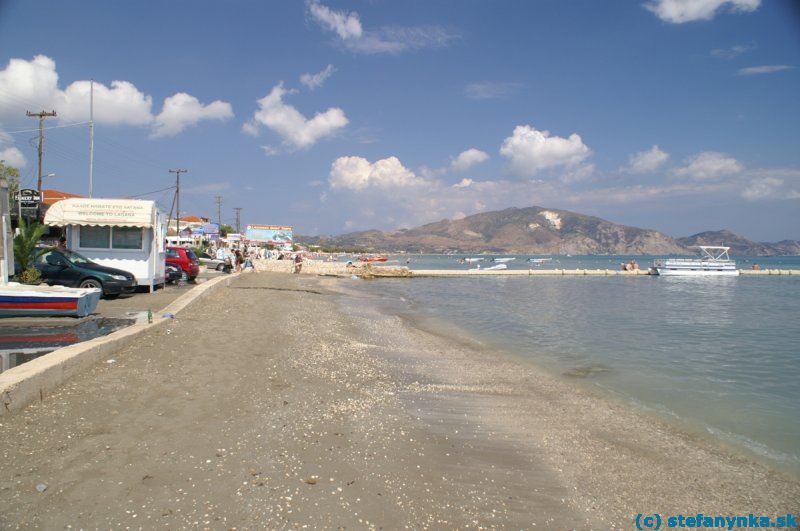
x,y
210,262
73,270
172,273
185,259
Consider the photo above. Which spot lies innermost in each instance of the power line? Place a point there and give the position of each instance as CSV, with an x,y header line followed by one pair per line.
x,y
219,209
44,128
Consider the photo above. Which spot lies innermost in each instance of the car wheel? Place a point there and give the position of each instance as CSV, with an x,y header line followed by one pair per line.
x,y
184,276
220,267
91,283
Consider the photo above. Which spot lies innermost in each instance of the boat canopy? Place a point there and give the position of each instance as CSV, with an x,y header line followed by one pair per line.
x,y
102,212
713,252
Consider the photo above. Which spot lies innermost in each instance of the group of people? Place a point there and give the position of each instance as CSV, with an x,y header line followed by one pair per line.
x,y
242,257
239,258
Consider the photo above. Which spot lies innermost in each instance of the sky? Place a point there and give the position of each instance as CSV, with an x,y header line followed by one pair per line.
x,y
334,116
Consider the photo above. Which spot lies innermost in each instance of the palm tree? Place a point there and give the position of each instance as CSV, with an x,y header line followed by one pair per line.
x,y
25,243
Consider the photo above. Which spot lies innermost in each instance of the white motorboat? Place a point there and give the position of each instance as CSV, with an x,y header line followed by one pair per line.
x,y
538,261
503,260
712,260
498,267
473,260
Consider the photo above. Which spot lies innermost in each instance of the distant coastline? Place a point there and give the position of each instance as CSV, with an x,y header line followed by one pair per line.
x,y
537,230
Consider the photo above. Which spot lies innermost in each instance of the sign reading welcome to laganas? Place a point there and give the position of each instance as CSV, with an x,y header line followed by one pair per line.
x,y
125,212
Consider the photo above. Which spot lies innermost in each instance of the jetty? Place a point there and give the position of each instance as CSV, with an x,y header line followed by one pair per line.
x,y
363,270
574,272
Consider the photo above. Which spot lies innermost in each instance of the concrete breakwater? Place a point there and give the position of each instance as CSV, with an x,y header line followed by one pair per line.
x,y
365,270
575,272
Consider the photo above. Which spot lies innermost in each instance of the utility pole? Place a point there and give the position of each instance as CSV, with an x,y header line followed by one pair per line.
x,y
238,220
219,210
91,136
178,199
41,115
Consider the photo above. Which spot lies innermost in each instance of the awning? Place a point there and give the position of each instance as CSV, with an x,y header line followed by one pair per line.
x,y
102,212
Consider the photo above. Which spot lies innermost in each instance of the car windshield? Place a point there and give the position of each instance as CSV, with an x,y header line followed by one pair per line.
x,y
76,258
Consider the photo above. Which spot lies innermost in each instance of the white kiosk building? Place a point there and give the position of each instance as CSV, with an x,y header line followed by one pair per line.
x,y
127,234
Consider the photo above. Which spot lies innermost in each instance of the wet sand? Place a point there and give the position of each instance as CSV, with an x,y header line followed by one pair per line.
x,y
280,402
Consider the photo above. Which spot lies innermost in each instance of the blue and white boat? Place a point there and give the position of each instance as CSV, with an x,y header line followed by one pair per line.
x,y
21,300
713,260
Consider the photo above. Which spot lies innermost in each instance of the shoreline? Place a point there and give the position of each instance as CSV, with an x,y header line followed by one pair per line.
x,y
736,445
302,412
724,457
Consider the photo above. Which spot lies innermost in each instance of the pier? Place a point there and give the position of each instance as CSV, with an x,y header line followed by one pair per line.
x,y
575,272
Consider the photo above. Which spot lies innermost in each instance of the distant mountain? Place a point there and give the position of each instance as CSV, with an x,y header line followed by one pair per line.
x,y
741,246
537,230
532,230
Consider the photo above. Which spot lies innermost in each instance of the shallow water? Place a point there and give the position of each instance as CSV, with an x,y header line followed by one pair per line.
x,y
719,355
20,344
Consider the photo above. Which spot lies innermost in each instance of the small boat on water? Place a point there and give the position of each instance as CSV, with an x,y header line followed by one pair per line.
x,y
538,261
473,260
373,258
503,260
498,267
712,260
18,300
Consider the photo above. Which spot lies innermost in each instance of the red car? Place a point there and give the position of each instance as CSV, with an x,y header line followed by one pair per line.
x,y
186,260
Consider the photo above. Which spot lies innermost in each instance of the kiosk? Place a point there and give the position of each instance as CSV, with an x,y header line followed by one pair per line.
x,y
124,233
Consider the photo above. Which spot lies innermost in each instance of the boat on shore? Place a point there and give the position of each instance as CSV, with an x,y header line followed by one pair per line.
x,y
21,300
712,260
373,258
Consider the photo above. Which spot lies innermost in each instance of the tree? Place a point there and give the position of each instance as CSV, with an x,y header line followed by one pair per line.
x,y
25,245
11,174
224,230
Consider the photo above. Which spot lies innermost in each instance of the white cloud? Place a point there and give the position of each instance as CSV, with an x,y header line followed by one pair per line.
x,y
183,110
13,157
24,83
120,104
710,165
313,81
386,39
733,51
681,11
762,188
357,173
346,25
489,90
464,183
647,161
295,129
576,174
529,150
467,159
764,69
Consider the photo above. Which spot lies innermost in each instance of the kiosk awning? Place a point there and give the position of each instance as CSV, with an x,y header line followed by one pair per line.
x,y
102,212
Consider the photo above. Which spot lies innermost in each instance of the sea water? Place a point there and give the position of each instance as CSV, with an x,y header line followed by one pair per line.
x,y
718,355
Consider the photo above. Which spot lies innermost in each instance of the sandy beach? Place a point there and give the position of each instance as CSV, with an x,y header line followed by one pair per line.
x,y
290,402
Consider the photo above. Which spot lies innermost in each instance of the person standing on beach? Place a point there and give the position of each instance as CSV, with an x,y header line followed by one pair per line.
x,y
298,263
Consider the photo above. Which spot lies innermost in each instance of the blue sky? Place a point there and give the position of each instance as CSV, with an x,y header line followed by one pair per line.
x,y
678,115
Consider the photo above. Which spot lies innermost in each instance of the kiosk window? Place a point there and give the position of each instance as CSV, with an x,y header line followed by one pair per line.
x,y
126,238
95,237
